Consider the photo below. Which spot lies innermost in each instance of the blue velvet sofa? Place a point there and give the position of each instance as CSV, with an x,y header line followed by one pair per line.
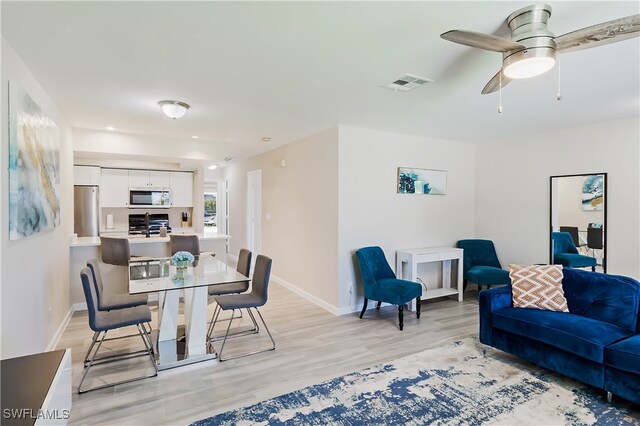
x,y
597,342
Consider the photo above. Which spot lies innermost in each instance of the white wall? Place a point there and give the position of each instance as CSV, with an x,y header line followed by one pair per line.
x,y
512,189
34,272
299,213
371,212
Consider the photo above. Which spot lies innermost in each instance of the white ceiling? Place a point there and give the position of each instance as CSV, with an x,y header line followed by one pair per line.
x,y
287,70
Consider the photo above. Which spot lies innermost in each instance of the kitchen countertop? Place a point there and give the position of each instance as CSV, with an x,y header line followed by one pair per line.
x,y
95,241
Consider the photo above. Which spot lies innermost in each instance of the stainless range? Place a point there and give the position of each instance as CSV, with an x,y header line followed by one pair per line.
x,y
138,224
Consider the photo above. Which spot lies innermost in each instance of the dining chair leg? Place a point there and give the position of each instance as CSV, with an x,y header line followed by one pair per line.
x,y
593,268
273,343
214,319
87,356
418,307
226,335
378,305
364,307
401,316
88,367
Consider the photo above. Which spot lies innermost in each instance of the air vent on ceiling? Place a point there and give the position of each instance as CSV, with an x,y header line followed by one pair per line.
x,y
406,83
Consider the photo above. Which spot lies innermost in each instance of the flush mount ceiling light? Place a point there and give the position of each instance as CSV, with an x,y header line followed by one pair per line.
x,y
213,167
174,109
266,139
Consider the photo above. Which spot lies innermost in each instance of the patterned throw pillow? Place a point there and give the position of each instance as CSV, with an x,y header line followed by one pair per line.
x,y
538,287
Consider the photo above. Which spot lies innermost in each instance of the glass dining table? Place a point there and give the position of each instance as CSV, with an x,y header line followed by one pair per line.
x,y
180,344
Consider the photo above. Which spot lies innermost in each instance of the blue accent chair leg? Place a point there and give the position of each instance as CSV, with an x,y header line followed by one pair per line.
x,y
418,307
378,305
364,307
401,316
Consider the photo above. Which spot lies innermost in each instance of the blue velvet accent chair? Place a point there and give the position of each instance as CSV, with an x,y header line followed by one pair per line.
x,y
381,284
597,342
481,265
565,252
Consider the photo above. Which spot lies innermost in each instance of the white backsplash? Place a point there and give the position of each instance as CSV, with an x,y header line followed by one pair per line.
x,y
121,216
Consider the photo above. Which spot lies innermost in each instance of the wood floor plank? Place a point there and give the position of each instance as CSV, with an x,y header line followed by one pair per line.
x,y
312,346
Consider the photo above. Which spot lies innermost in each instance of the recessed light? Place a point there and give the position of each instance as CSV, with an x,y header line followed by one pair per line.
x,y
111,128
213,167
266,139
194,137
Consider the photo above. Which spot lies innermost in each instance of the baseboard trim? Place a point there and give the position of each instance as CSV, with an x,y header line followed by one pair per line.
x,y
306,295
76,307
58,334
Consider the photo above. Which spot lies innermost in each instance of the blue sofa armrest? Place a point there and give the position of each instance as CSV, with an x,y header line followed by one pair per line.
x,y
491,301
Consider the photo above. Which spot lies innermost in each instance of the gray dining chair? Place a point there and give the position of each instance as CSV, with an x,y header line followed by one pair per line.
x,y
115,251
101,322
243,266
252,300
190,243
109,299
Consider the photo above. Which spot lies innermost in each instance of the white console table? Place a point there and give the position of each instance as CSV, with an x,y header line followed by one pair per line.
x,y
431,254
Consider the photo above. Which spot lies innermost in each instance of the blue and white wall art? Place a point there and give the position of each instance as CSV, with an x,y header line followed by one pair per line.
x,y
422,181
34,167
593,193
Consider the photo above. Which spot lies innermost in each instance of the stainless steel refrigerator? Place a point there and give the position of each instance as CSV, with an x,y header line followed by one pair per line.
x,y
86,210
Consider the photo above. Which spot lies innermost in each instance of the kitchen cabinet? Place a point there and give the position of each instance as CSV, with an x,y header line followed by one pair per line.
x,y
114,188
86,175
148,179
181,189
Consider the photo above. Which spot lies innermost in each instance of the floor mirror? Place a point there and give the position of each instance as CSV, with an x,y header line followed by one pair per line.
x,y
579,208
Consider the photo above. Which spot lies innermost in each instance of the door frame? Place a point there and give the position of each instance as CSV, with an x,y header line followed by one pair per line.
x,y
254,211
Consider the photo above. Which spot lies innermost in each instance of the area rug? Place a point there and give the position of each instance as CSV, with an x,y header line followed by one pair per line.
x,y
464,383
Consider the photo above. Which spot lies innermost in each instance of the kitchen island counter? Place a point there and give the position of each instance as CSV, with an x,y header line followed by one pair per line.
x,y
82,249
140,239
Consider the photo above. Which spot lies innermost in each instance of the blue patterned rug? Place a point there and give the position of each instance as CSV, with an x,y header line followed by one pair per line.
x,y
465,383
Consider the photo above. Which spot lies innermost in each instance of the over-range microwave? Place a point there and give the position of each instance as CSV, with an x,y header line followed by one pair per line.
x,y
149,197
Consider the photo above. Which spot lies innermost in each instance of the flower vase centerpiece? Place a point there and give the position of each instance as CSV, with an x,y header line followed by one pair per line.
x,y
182,260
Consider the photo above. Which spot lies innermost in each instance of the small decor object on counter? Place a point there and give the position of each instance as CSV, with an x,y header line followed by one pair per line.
x,y
182,260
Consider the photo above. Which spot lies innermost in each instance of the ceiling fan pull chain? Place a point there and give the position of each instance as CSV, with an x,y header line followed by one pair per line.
x,y
500,93
559,97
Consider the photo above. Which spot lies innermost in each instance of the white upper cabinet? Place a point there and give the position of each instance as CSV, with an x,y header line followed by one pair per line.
x,y
149,179
114,188
86,175
181,189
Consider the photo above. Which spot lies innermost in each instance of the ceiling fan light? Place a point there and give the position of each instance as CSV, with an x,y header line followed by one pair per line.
x,y
174,109
529,67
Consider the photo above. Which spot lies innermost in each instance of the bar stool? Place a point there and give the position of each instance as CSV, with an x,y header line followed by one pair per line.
x,y
190,243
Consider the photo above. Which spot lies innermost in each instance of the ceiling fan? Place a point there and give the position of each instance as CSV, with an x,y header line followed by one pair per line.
x,y
532,48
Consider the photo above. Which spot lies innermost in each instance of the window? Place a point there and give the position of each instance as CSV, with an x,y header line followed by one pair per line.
x,y
210,202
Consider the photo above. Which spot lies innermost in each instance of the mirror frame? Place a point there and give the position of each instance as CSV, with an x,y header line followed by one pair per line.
x,y
605,226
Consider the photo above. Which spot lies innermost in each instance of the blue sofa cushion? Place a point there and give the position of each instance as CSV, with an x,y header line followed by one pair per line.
x,y
487,275
581,336
397,292
612,299
624,355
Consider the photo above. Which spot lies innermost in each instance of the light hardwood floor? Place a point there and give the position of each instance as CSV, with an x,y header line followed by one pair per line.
x,y
312,346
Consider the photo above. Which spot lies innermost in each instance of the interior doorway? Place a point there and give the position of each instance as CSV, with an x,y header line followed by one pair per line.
x,y
254,213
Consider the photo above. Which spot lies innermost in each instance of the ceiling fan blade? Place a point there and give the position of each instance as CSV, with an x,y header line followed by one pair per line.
x,y
494,84
600,34
481,41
